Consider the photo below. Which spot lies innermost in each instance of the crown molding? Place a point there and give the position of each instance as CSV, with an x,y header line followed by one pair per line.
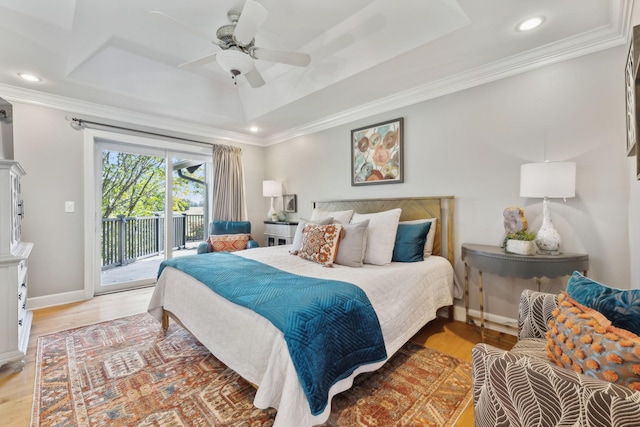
x,y
85,108
587,43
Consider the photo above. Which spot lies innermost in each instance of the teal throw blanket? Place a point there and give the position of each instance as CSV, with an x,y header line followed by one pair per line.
x,y
329,326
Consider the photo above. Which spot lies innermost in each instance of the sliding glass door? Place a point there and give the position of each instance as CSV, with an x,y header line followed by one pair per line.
x,y
153,205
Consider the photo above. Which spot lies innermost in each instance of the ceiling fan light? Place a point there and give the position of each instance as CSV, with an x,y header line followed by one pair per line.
x,y
234,60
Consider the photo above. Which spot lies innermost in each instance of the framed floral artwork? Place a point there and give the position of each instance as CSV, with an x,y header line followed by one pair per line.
x,y
376,153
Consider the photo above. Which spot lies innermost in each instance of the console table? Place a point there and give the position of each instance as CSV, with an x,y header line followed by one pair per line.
x,y
494,260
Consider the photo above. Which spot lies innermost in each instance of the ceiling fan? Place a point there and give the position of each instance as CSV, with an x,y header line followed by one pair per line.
x,y
237,42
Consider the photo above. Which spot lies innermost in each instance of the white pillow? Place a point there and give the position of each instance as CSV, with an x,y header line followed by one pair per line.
x,y
296,243
431,235
381,235
340,217
353,245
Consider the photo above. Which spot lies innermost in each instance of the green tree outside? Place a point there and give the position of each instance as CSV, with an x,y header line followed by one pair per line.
x,y
133,185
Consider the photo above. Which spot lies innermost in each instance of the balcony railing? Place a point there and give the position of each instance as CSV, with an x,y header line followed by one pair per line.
x,y
127,239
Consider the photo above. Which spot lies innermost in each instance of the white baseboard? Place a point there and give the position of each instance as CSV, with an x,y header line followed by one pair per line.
x,y
491,321
55,299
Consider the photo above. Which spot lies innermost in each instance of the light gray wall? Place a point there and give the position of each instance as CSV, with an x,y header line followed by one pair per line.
x,y
51,152
471,144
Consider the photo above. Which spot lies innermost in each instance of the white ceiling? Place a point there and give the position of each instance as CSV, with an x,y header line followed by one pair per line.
x,y
114,59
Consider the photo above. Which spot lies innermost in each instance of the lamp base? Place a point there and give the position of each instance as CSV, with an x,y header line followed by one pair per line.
x,y
272,215
547,238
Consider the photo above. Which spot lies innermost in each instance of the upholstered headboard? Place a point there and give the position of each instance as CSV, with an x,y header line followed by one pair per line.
x,y
412,208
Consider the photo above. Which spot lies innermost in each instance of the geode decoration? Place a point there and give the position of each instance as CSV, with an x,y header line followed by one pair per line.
x,y
514,220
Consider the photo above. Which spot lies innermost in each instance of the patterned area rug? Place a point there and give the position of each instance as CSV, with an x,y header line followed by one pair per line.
x,y
126,372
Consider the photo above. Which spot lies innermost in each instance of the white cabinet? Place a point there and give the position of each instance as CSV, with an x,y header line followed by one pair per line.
x,y
279,233
15,319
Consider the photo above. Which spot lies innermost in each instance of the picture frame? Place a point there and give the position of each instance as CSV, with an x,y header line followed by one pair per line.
x,y
377,153
290,203
630,91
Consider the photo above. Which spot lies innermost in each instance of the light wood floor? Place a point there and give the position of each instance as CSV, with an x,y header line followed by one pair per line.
x,y
16,390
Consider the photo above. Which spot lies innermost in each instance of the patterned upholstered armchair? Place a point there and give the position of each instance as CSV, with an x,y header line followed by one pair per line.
x,y
217,228
521,388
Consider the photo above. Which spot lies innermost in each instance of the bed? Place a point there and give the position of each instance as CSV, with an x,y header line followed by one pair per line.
x,y
404,296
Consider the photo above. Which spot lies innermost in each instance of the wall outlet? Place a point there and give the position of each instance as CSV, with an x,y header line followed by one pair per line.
x,y
69,206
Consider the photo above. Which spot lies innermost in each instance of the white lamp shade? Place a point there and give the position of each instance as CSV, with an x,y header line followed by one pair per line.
x,y
235,60
271,188
548,179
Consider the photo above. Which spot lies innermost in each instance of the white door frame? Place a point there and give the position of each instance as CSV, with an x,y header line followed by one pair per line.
x,y
92,203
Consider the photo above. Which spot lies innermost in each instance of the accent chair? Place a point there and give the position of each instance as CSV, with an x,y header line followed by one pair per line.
x,y
217,228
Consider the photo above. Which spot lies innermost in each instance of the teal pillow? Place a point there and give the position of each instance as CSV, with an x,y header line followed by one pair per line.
x,y
410,240
620,306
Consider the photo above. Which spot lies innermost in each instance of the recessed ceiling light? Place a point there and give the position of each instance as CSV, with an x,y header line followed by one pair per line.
x,y
254,129
530,23
29,77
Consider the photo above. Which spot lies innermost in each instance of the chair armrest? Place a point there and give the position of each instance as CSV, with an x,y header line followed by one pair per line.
x,y
252,244
203,248
534,313
516,390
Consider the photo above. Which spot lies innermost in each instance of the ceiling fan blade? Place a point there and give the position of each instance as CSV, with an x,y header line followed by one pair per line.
x,y
251,19
173,21
198,62
254,78
291,58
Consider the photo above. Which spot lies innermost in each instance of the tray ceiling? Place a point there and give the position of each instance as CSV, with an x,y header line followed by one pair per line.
x,y
113,58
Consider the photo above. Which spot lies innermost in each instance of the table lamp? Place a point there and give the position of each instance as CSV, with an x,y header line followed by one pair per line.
x,y
548,180
272,189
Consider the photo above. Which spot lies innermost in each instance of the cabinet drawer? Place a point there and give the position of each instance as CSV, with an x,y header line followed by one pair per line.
x,y
283,230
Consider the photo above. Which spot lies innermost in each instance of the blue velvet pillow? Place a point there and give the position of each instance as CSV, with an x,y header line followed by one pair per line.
x,y
410,240
620,306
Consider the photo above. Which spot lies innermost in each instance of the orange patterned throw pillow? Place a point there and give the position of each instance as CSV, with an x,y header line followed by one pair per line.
x,y
320,243
228,242
582,339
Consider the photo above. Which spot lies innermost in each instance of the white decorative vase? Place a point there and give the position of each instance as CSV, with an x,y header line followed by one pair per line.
x,y
547,238
521,247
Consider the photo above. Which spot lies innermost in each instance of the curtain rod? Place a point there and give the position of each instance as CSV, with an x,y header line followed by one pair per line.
x,y
80,123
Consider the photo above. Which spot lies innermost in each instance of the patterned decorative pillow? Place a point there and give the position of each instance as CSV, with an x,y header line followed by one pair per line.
x,y
296,244
621,307
228,242
582,339
320,243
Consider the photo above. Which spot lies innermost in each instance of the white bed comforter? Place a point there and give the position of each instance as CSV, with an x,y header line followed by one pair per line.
x,y
405,297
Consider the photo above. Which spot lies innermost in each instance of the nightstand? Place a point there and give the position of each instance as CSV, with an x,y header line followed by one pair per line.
x,y
280,232
494,260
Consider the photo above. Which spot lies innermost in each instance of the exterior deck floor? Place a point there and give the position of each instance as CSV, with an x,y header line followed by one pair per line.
x,y
146,268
